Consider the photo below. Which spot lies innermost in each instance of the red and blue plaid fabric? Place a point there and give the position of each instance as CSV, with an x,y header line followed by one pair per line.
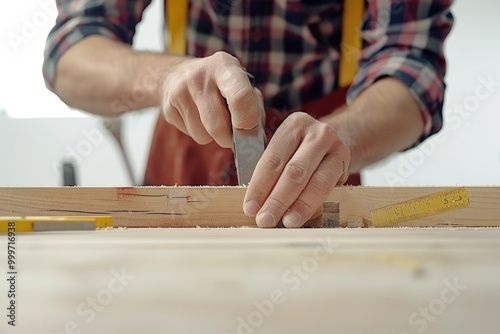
x,y
290,46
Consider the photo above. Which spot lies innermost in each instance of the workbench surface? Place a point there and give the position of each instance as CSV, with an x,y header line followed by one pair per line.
x,y
245,280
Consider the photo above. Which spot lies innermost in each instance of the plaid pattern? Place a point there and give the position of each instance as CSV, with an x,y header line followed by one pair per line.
x,y
290,46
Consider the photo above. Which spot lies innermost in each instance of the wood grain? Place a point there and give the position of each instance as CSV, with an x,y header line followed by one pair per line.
x,y
212,280
222,206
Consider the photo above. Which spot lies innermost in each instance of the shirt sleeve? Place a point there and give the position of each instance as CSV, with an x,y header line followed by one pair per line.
x,y
78,19
404,39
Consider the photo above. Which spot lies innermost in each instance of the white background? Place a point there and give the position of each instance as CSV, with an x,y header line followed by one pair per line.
x,y
38,131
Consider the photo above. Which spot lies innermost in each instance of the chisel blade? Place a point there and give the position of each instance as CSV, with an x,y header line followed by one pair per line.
x,y
248,146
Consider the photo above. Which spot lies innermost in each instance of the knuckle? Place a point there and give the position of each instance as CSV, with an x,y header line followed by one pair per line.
x,y
195,84
323,181
256,191
221,57
299,116
273,162
276,204
296,124
296,172
325,132
213,128
305,208
321,135
174,93
244,96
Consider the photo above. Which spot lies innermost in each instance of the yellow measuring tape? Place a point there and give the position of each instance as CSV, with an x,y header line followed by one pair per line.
x,y
177,14
424,206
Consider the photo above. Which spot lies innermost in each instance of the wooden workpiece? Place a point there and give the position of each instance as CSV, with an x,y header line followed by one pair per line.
x,y
248,280
222,206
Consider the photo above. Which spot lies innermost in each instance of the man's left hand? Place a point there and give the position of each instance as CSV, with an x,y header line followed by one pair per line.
x,y
303,162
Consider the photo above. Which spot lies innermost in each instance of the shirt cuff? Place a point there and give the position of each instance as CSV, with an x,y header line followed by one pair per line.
x,y
66,34
424,84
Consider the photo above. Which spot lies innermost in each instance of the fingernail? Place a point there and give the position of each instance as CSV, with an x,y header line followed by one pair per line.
x,y
291,219
251,208
265,219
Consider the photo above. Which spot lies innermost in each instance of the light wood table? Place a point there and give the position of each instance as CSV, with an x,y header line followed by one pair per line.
x,y
245,280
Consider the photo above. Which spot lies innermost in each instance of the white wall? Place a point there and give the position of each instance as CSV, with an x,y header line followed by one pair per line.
x,y
466,152
41,131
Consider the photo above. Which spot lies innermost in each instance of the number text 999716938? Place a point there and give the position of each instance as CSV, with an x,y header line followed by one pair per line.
x,y
11,274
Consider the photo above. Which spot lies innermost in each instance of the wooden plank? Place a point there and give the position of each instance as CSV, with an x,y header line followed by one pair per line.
x,y
222,206
137,206
134,206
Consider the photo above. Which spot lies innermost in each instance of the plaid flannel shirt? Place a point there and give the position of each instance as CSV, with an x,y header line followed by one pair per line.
x,y
292,47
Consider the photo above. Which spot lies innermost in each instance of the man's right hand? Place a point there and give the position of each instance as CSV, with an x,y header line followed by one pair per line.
x,y
202,96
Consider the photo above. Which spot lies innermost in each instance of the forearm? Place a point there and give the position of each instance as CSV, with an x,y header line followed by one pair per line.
x,y
383,119
106,77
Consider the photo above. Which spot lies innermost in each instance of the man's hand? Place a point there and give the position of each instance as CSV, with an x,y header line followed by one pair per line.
x,y
302,163
202,96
